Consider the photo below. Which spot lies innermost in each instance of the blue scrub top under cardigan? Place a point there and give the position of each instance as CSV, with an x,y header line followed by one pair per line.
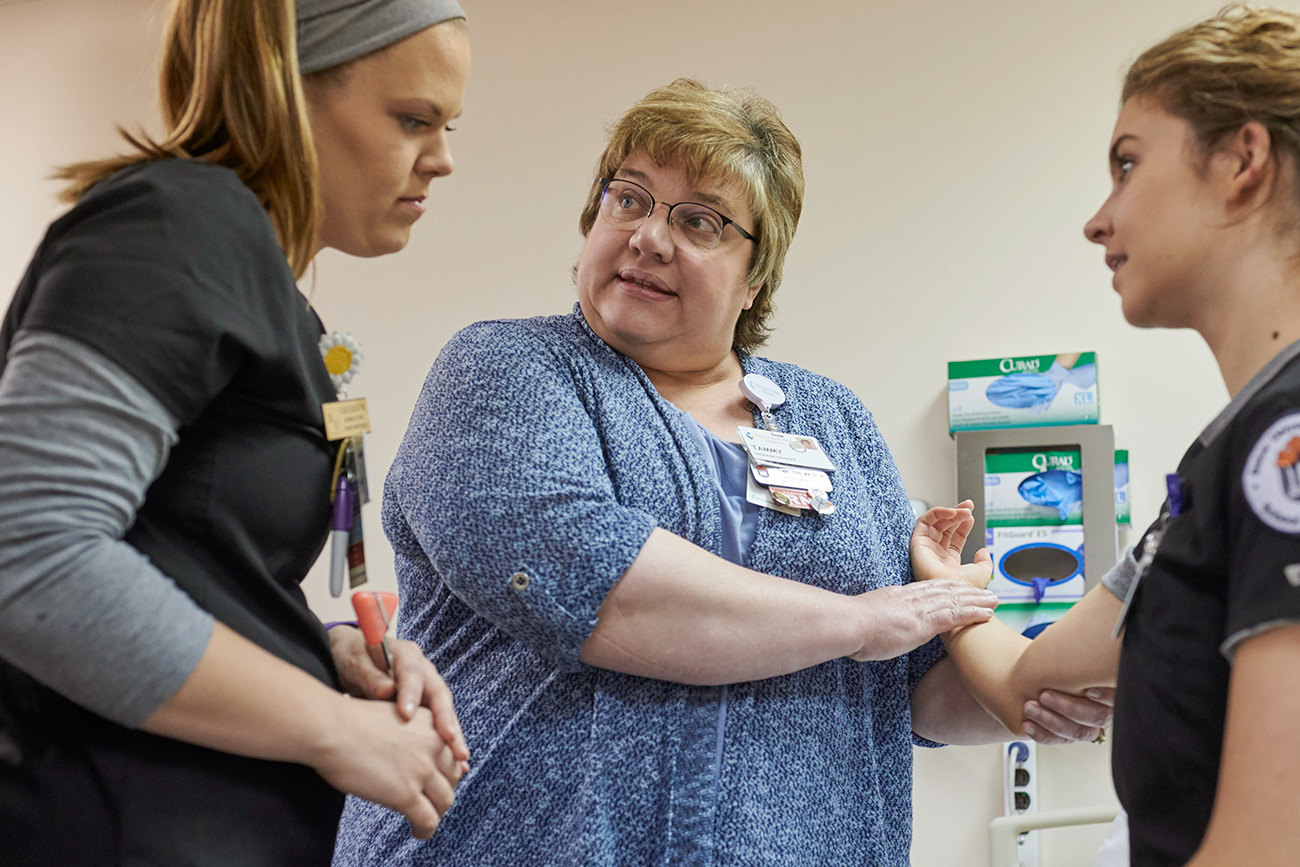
x,y
535,466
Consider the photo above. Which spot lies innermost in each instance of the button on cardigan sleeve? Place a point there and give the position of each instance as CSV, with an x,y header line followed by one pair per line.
x,y
501,482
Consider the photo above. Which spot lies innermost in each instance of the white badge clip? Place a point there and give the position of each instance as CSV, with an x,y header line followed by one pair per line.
x,y
764,394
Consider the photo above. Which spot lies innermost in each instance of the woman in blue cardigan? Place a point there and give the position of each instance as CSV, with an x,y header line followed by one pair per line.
x,y
652,668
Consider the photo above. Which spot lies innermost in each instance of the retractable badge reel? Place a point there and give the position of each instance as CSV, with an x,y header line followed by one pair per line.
x,y
767,396
764,394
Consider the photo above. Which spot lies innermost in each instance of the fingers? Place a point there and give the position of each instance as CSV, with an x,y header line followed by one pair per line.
x,y
960,594
955,604
1079,709
444,715
969,616
449,767
1102,695
361,675
1047,726
1042,736
440,788
409,666
423,817
419,684
961,605
948,527
437,781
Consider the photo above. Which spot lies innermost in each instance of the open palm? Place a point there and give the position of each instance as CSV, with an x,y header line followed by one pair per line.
x,y
936,546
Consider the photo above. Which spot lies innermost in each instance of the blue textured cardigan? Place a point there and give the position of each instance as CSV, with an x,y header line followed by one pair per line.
x,y
537,450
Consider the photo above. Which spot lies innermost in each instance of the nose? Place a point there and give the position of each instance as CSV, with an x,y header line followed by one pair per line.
x,y
654,236
1097,229
435,161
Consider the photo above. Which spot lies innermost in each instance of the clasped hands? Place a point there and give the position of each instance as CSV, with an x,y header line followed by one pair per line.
x,y
936,545
420,699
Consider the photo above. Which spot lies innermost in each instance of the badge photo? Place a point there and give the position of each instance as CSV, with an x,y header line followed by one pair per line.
x,y
1271,479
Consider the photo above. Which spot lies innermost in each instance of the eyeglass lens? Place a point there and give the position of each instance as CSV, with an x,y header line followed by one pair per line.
x,y
626,204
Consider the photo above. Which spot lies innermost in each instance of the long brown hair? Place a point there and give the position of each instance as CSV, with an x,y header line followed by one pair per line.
x,y
231,95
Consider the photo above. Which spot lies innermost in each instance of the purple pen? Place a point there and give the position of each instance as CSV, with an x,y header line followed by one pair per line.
x,y
340,524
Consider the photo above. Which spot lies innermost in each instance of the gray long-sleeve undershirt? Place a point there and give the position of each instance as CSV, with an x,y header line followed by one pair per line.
x,y
82,611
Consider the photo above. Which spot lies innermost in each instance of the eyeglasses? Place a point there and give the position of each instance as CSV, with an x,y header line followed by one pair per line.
x,y
624,204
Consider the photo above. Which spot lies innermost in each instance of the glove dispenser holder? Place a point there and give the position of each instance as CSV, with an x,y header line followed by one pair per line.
x,y
1096,444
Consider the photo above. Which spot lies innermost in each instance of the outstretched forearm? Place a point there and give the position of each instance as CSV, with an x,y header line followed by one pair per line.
x,y
682,614
1003,670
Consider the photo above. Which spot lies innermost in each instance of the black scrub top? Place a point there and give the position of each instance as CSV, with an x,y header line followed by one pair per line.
x,y
1218,574
172,270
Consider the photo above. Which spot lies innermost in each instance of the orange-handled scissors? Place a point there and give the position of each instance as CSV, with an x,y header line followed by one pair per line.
x,y
374,612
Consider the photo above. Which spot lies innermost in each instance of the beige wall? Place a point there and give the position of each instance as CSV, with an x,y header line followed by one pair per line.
x,y
952,151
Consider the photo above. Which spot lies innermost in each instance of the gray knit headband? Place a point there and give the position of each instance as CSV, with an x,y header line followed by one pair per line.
x,y
331,32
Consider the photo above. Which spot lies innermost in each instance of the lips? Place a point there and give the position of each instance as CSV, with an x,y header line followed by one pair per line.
x,y
415,202
1114,261
641,283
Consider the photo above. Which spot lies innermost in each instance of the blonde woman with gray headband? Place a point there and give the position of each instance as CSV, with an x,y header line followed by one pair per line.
x,y
166,695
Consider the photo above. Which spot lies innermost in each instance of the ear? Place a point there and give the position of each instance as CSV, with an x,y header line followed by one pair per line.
x,y
750,294
1250,164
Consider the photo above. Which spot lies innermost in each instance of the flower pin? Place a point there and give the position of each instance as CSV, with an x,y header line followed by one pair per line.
x,y
342,356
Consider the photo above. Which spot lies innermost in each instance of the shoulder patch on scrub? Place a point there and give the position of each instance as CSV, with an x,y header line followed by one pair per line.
x,y
1271,480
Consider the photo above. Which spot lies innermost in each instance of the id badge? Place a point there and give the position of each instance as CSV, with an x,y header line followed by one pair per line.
x,y
356,543
355,460
761,496
791,477
345,418
774,447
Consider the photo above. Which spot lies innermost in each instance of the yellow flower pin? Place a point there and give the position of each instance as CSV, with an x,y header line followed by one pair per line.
x,y
342,356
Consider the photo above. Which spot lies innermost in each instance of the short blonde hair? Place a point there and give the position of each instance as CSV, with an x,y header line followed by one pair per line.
x,y
734,136
1240,66
231,94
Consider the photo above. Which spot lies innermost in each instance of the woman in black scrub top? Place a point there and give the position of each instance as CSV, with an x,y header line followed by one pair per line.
x,y
1202,231
166,695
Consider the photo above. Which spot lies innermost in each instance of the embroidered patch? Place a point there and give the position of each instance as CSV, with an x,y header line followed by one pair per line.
x,y
1271,480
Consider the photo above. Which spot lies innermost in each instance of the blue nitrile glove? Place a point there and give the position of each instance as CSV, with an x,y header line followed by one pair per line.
x,y
1021,391
1083,377
1040,588
1057,373
1059,489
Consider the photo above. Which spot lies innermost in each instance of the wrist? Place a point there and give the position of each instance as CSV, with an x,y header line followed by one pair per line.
x,y
326,731
855,626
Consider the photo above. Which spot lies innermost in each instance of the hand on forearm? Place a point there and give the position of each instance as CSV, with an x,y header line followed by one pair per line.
x,y
682,614
1007,672
1060,718
943,710
897,620
685,615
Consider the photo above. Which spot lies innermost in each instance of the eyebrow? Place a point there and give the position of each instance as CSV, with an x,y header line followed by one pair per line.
x,y
433,107
1114,149
697,196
